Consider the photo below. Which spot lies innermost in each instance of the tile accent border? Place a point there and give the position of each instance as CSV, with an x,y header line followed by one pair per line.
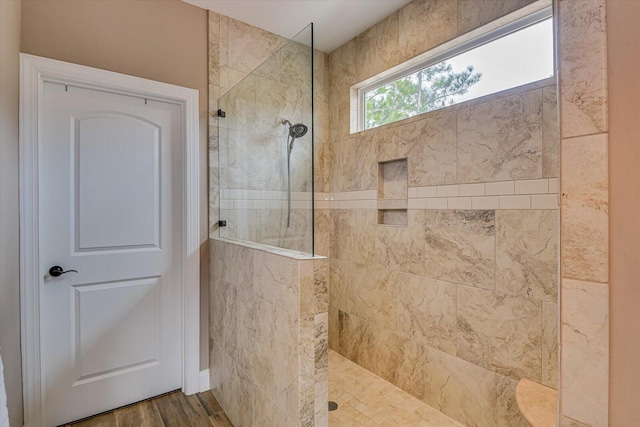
x,y
520,194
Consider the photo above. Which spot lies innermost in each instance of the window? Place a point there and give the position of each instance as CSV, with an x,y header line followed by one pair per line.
x,y
518,53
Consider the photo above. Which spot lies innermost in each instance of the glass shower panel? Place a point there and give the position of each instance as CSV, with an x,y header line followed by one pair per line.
x,y
266,151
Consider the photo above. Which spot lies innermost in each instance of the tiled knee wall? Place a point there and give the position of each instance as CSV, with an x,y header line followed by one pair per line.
x,y
268,343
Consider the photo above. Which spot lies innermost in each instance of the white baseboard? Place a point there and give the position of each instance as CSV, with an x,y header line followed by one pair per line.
x,y
204,380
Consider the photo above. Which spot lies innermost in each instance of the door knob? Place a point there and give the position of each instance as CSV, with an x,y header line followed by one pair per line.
x,y
56,271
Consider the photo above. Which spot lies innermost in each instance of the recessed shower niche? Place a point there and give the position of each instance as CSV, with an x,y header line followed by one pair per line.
x,y
392,192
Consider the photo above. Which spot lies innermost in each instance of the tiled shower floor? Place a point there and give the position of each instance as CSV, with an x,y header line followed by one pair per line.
x,y
365,399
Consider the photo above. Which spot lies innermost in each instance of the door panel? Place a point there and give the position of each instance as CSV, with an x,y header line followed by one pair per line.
x,y
101,143
110,174
125,315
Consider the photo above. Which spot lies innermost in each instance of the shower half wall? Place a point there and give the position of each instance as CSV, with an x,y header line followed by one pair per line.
x,y
268,295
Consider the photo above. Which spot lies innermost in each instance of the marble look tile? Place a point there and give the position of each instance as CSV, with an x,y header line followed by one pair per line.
x,y
237,394
427,310
364,291
276,280
460,389
321,277
339,113
331,174
229,78
214,48
402,248
550,335
507,412
501,140
238,224
568,422
583,67
459,246
269,227
356,164
393,180
355,235
321,399
377,48
307,407
232,264
439,16
220,292
430,145
288,64
307,294
286,365
249,46
334,329
475,13
392,357
253,161
216,372
342,66
266,415
363,394
366,166
527,253
550,133
318,167
585,208
585,349
321,326
224,41
255,329
500,332
340,290
386,142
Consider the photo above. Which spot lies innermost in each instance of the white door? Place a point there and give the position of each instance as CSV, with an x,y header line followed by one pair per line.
x,y
110,208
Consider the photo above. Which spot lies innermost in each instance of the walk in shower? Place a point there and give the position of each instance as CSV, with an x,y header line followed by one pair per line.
x,y
266,142
269,295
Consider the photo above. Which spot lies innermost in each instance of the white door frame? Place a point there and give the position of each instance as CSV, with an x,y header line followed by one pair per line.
x,y
34,71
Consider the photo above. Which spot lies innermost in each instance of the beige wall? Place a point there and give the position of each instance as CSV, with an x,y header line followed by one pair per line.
x,y
162,40
9,250
624,179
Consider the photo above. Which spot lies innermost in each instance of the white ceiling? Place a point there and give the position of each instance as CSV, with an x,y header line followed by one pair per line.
x,y
334,21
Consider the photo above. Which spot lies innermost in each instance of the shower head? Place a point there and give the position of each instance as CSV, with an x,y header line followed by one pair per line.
x,y
296,131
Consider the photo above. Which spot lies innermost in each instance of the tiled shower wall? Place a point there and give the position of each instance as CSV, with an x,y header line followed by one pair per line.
x,y
269,360
584,383
461,303
261,79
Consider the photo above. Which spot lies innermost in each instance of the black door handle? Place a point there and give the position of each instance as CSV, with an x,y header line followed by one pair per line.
x,y
56,271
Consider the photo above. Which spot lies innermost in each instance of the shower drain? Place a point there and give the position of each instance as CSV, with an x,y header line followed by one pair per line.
x,y
333,405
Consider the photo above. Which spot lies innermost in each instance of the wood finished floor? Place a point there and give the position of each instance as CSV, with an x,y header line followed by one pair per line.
x,y
169,410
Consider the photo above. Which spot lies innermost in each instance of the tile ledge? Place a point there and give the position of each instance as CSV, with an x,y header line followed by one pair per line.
x,y
538,403
288,253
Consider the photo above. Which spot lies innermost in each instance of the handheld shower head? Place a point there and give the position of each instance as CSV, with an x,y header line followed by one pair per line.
x,y
298,130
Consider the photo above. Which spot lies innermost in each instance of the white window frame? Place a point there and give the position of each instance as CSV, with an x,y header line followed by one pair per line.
x,y
410,67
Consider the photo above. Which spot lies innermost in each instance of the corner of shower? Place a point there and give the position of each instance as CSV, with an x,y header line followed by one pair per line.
x,y
266,151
